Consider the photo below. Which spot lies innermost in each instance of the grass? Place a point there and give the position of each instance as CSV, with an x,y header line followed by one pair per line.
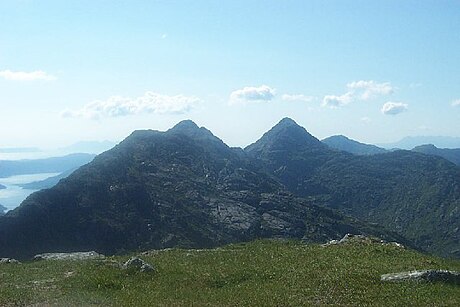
x,y
260,273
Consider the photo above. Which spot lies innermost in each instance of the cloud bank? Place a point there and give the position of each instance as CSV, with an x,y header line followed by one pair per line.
x,y
26,76
394,108
150,102
456,103
252,94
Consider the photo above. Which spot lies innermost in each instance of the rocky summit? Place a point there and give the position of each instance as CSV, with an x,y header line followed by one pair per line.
x,y
186,188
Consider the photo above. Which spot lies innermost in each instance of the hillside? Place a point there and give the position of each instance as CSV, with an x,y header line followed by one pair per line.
x,y
183,187
260,273
414,194
343,143
453,155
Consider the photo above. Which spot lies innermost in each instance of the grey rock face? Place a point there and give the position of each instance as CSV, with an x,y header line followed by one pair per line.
x,y
138,264
9,261
92,255
426,275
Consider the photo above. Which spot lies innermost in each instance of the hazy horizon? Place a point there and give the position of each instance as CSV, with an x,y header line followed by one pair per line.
x,y
84,70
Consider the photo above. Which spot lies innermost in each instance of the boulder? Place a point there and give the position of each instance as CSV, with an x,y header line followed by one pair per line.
x,y
425,275
136,263
92,255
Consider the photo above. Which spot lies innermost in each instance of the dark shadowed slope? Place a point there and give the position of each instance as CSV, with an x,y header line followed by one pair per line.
x,y
183,187
414,194
343,143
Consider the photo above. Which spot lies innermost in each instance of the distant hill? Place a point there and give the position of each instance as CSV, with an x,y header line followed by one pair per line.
x,y
92,147
453,155
183,187
2,187
48,182
2,210
48,165
414,141
343,143
18,149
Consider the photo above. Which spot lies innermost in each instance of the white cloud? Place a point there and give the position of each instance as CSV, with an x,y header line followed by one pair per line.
x,y
370,89
366,119
252,94
150,102
394,108
297,97
164,35
456,103
333,101
26,76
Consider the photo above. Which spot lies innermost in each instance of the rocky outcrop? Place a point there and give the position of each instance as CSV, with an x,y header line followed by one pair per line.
x,y
9,261
92,255
137,264
361,239
425,275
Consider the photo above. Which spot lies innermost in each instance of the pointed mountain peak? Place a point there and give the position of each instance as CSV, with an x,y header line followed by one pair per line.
x,y
286,134
190,129
185,125
285,122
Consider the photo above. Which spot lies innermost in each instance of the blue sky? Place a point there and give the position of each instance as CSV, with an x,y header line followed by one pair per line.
x,y
375,71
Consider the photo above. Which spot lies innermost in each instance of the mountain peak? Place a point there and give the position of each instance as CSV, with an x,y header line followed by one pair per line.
x,y
185,125
285,122
190,129
286,134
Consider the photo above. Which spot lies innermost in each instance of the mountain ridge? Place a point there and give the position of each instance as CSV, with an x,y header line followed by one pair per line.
x,y
341,142
185,187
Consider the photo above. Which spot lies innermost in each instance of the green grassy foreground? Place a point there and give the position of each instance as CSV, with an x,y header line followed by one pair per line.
x,y
260,273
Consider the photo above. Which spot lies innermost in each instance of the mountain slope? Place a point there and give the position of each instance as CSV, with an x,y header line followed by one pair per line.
x,y
453,155
414,194
183,187
343,143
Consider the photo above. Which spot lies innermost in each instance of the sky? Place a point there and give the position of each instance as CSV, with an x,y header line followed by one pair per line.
x,y
375,71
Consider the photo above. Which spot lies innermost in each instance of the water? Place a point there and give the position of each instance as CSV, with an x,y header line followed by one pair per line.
x,y
13,195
